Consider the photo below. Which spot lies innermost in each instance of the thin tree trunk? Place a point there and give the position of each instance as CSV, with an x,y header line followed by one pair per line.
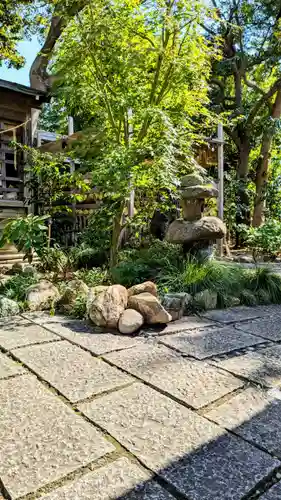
x,y
116,234
263,165
243,208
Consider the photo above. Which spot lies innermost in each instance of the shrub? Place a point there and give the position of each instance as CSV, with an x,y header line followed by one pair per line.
x,y
17,285
54,259
27,233
93,277
136,266
78,309
265,239
86,257
252,286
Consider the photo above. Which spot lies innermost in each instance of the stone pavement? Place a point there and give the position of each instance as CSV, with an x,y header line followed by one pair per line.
x,y
191,411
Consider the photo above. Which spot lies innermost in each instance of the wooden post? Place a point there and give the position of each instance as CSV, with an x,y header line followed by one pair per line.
x,y
221,183
70,125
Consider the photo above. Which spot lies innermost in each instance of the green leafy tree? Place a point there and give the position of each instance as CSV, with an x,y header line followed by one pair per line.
x,y
19,19
28,234
247,87
139,71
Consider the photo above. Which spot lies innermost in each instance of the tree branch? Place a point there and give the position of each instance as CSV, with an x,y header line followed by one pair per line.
x,y
276,86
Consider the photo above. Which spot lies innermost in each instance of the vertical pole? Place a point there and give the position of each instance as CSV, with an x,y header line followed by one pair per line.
x,y
220,179
70,125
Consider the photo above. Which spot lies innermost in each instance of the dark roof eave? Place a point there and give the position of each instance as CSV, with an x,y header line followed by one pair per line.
x,y
23,89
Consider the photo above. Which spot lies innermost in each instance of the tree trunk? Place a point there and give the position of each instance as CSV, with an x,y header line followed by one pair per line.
x,y
263,164
243,203
116,234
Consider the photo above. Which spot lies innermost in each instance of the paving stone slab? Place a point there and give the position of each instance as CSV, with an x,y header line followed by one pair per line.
x,y
255,415
196,383
205,343
262,366
41,438
8,367
198,457
183,324
121,479
233,314
74,372
268,327
21,333
97,343
273,494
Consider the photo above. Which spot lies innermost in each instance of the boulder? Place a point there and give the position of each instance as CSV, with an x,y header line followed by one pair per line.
x,y
130,321
75,288
150,308
8,307
207,228
44,295
207,299
147,286
176,303
105,304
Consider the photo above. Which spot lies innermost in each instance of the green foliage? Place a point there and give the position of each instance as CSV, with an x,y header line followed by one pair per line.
x,y
78,309
18,19
86,257
54,259
53,186
28,234
252,286
138,73
144,264
17,285
265,239
93,277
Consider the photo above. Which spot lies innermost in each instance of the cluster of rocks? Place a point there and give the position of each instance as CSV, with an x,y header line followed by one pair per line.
x,y
196,233
116,307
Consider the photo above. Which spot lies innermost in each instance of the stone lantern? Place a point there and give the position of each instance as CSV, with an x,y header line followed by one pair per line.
x,y
195,232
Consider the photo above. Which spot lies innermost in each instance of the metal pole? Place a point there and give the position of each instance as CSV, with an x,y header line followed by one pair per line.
x,y
220,186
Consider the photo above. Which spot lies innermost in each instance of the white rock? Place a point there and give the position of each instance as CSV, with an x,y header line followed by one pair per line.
x,y
130,321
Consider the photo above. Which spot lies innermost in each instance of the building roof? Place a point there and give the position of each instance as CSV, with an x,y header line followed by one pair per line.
x,y
23,89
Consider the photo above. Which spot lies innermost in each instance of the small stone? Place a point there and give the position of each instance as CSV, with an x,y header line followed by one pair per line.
x,y
207,299
147,286
8,307
150,308
42,296
105,304
130,321
176,303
